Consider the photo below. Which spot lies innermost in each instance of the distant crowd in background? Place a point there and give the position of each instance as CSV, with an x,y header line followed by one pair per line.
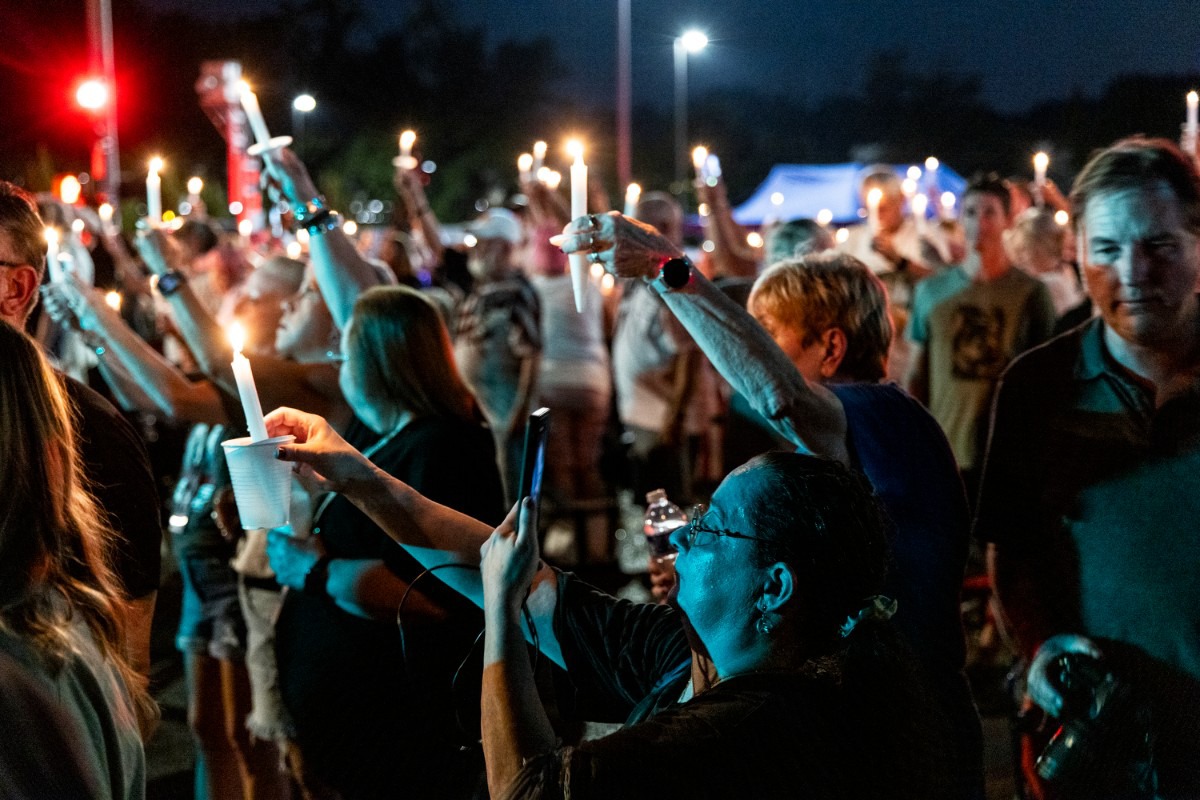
x,y
833,439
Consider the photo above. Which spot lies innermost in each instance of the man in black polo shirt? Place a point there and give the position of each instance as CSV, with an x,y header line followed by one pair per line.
x,y
114,457
1091,485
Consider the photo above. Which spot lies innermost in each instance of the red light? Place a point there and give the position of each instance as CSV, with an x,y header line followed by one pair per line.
x,y
92,94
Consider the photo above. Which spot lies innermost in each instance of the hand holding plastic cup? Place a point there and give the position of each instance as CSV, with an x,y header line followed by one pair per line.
x,y
262,484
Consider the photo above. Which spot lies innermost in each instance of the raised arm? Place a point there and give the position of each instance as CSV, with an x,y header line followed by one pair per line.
x,y
434,534
341,272
731,254
806,413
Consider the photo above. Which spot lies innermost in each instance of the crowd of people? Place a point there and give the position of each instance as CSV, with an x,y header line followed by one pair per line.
x,y
860,421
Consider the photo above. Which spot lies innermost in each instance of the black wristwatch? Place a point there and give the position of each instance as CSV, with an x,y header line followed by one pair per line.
x,y
317,578
169,282
673,274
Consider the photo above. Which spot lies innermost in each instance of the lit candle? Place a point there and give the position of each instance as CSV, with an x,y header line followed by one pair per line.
x,y
113,300
539,156
874,198
920,205
948,201
407,140
154,191
824,217
1062,217
254,116
914,173
1040,162
633,195
106,216
552,178
909,187
579,190
699,158
1193,113
247,392
931,172
52,263
69,190
525,167
607,284
712,169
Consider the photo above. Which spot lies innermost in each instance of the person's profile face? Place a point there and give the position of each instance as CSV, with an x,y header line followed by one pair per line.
x,y
1140,263
807,356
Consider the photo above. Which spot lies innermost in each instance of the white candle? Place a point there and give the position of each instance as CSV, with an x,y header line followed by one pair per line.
x,y
247,392
154,191
1040,162
539,156
699,158
920,205
407,140
633,195
874,198
525,167
948,201
254,116
579,188
1193,113
52,264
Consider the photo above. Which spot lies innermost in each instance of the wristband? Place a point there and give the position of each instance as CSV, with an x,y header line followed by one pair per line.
x,y
675,273
324,220
305,212
317,577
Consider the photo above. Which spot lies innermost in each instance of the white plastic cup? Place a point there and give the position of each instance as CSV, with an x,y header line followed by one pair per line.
x,y
262,484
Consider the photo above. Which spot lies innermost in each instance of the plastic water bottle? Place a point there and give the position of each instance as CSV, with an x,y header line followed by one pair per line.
x,y
662,519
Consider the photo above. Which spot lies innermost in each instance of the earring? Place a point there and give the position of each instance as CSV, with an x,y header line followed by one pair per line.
x,y
764,623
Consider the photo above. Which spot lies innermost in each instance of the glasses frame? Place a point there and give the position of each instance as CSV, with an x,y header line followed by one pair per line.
x,y
696,526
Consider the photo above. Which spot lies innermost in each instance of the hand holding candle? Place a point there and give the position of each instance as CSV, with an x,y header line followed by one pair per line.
x,y
262,137
247,391
578,209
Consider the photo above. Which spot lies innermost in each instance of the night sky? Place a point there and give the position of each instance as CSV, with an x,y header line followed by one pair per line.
x,y
1025,51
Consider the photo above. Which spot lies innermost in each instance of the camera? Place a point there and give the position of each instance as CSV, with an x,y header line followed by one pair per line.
x,y
1104,748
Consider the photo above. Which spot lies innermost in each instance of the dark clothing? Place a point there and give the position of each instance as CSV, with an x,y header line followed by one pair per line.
x,y
898,445
373,720
1095,492
116,465
762,735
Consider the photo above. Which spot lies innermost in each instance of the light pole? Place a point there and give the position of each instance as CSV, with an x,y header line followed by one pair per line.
x,y
692,41
301,106
624,101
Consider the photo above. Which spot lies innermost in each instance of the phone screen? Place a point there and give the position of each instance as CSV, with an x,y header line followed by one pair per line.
x,y
533,463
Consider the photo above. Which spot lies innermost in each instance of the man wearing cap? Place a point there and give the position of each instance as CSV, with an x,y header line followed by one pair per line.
x,y
498,341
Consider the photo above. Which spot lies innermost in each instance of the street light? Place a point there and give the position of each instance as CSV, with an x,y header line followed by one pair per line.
x,y
692,41
303,104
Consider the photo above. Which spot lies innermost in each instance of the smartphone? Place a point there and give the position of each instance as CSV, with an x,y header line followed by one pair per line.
x,y
533,461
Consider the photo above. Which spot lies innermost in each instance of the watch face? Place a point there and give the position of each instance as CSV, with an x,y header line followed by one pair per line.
x,y
168,283
677,272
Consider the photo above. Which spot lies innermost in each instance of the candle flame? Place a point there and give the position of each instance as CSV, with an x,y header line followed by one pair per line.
x,y
554,179
633,190
1062,217
874,197
524,162
948,200
914,173
919,204
1193,98
539,149
237,337
244,88
699,156
69,190
777,198
106,212
908,186
607,284
245,227
113,300
575,148
194,185
842,235
407,138
77,226
824,216
931,164
349,227
51,235
1041,161
754,239
294,250
156,164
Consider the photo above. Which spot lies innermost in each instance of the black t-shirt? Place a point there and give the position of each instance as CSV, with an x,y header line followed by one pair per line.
x,y
116,464
842,733
371,721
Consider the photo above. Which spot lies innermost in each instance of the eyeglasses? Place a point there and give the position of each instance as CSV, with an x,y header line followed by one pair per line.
x,y
701,535
12,263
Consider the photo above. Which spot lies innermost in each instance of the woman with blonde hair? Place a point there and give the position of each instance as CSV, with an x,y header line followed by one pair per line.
x,y
374,713
61,616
